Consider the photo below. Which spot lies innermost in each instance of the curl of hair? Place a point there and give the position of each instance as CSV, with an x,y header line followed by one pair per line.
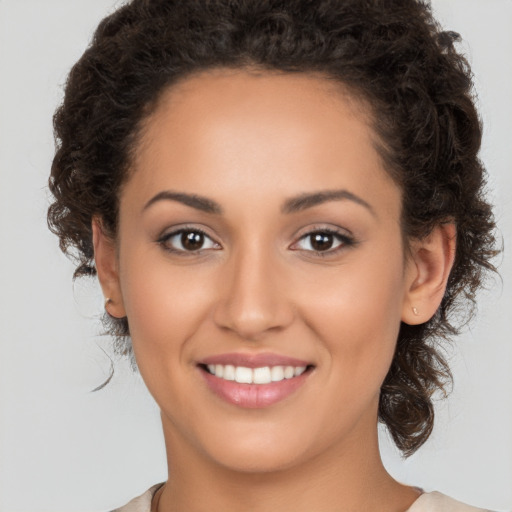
x,y
390,54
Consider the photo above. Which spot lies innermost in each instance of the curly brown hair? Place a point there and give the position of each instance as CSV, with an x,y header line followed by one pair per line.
x,y
389,53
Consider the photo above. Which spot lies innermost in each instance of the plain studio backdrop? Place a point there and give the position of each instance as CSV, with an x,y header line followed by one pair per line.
x,y
63,448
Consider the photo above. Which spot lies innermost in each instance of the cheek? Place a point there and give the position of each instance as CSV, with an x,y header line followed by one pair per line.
x,y
357,314
164,304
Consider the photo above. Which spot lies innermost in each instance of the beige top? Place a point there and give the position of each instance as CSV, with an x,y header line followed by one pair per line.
x,y
437,502
427,502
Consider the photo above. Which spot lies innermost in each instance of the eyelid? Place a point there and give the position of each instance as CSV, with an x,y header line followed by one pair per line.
x,y
163,239
344,236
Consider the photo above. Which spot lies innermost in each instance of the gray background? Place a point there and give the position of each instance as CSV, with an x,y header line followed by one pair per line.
x,y
63,448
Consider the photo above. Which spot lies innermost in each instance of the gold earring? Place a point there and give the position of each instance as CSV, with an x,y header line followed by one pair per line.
x,y
415,311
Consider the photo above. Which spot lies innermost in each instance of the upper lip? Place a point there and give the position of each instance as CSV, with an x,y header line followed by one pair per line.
x,y
254,360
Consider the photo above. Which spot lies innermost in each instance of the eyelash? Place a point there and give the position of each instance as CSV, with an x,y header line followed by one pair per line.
x,y
345,240
164,239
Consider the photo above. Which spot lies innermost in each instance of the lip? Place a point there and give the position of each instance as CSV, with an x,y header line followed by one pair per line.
x,y
254,360
253,396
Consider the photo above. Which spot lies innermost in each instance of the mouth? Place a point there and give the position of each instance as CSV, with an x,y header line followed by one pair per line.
x,y
258,375
254,382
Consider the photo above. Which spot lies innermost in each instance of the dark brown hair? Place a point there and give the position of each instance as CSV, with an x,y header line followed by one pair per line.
x,y
389,53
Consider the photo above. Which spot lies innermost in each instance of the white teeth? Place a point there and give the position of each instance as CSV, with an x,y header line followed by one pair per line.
x,y
219,370
299,370
277,373
289,372
260,375
243,375
229,372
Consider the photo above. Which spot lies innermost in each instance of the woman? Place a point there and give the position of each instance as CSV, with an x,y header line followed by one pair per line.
x,y
284,206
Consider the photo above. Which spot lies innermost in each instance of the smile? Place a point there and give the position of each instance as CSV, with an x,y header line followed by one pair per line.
x,y
254,381
261,375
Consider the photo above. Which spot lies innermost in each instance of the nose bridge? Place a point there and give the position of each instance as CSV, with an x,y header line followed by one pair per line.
x,y
252,300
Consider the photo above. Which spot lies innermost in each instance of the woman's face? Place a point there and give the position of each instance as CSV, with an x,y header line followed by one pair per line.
x,y
259,231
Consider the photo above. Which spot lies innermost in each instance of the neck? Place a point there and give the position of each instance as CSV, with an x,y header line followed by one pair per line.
x,y
345,478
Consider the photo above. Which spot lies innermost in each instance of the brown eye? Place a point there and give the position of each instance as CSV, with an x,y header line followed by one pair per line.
x,y
187,241
321,241
192,240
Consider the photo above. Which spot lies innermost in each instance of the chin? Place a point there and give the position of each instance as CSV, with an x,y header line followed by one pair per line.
x,y
258,462
257,453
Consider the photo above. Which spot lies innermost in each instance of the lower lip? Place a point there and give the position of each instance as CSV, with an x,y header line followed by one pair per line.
x,y
253,396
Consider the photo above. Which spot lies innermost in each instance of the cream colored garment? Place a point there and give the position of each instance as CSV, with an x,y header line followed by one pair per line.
x,y
437,502
427,502
142,503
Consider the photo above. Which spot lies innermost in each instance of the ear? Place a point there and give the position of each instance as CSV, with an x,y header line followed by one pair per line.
x,y
428,268
105,257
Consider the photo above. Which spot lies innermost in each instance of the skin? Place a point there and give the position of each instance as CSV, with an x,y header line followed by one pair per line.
x,y
250,141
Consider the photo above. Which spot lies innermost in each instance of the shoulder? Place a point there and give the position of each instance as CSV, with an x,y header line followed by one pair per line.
x,y
427,502
438,502
141,503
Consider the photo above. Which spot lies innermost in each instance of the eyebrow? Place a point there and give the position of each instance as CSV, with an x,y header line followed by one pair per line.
x,y
198,202
308,200
291,205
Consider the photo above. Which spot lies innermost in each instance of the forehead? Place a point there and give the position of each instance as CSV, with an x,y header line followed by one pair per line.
x,y
238,130
256,99
239,84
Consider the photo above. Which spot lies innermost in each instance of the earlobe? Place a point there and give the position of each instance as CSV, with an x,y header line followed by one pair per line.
x,y
428,269
105,258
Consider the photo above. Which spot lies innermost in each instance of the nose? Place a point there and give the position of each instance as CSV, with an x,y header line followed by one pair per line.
x,y
252,296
